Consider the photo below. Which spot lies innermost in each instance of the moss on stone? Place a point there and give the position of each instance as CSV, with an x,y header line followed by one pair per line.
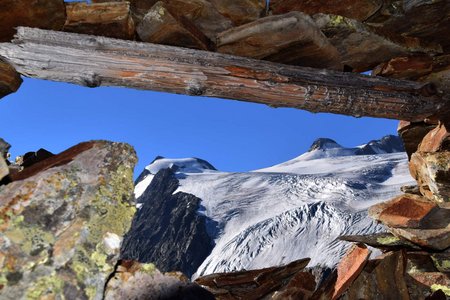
x,y
45,286
388,240
445,289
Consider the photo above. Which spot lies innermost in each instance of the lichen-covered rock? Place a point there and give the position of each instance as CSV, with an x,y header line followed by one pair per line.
x,y
61,224
132,280
432,172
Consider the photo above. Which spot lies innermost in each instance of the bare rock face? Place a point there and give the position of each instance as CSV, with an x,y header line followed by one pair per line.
x,y
436,140
432,172
359,10
10,80
4,170
292,38
62,222
111,19
132,280
268,283
242,11
362,47
49,14
161,26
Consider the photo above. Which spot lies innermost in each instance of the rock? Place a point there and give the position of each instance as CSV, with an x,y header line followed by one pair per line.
x,y
432,173
292,38
405,67
31,158
203,14
161,26
4,148
436,140
384,241
241,12
10,80
424,19
440,79
347,271
431,281
49,14
152,236
133,280
361,47
435,239
62,224
437,295
111,19
441,261
4,170
301,286
359,10
383,278
254,284
349,268
404,211
411,189
412,134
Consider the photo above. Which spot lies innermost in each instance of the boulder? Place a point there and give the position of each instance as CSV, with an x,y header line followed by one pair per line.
x,y
292,38
363,47
242,11
133,280
49,14
62,223
359,10
432,173
161,26
256,284
111,19
10,80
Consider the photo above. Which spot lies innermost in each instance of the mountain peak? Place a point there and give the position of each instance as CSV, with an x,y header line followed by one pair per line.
x,y
387,144
323,144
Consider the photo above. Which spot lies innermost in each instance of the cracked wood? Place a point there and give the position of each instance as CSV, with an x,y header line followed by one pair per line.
x,y
99,61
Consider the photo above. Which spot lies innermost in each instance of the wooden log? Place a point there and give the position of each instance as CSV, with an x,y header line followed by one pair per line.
x,y
99,61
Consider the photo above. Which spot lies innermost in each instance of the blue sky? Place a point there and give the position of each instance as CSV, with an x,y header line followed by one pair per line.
x,y
231,135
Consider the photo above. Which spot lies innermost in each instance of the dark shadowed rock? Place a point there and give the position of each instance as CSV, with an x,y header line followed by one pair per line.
x,y
242,11
258,284
412,134
362,47
10,80
48,14
152,237
111,19
132,280
359,10
62,224
405,67
31,158
292,38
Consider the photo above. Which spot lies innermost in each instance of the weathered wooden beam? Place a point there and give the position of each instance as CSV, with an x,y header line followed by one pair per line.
x,y
98,61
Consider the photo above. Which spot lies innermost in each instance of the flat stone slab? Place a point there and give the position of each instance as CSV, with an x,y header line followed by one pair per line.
x,y
293,38
385,241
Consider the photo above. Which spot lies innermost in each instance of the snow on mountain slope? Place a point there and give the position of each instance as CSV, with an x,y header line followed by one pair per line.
x,y
292,210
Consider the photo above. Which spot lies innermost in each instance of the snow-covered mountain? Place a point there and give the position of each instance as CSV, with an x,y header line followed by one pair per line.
x,y
285,212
